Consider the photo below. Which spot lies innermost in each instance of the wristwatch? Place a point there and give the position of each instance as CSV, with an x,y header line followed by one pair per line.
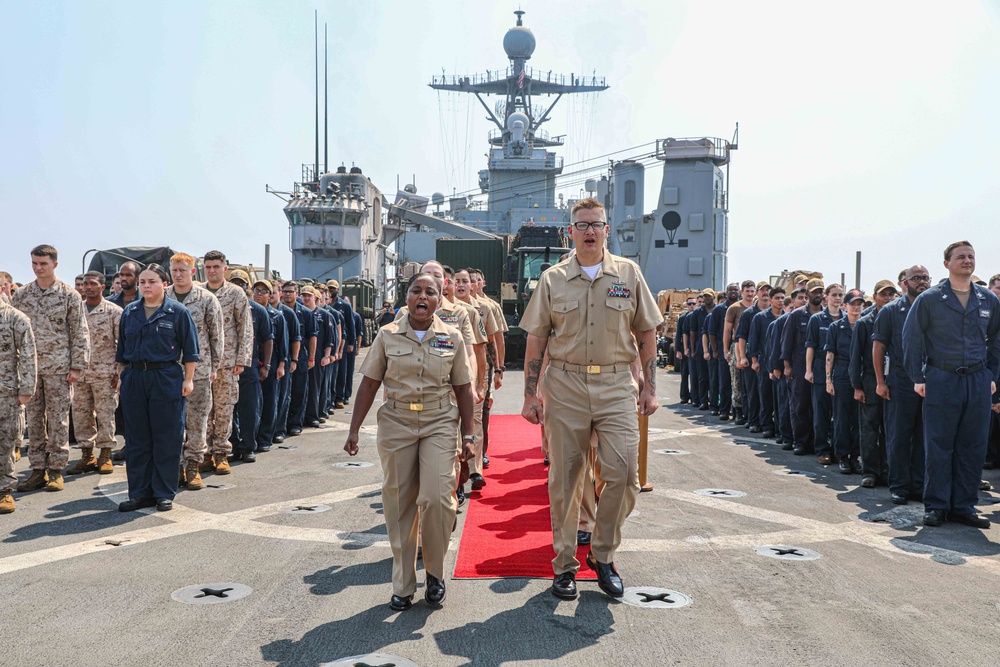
x,y
468,438
267,367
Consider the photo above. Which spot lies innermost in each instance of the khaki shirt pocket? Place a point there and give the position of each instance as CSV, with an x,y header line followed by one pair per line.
x,y
619,313
399,362
439,363
566,316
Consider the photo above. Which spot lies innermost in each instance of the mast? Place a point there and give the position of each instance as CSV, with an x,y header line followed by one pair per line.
x,y
326,106
316,45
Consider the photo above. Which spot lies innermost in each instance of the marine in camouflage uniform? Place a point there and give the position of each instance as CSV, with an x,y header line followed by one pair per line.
x,y
59,323
95,395
206,311
17,384
237,350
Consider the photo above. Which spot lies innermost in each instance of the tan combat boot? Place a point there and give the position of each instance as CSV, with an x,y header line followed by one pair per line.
x,y
86,463
55,481
221,464
17,454
6,502
33,483
193,479
208,465
104,464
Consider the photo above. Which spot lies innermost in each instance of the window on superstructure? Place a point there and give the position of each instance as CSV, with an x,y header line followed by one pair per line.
x,y
630,193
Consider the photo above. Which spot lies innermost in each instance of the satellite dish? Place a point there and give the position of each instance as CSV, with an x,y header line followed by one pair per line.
x,y
437,199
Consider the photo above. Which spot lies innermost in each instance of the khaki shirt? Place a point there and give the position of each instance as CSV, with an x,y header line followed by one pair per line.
x,y
486,314
475,320
591,323
102,323
237,326
414,371
17,352
455,316
497,313
206,311
59,322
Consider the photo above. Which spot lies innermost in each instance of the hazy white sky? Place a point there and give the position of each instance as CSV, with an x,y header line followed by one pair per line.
x,y
863,125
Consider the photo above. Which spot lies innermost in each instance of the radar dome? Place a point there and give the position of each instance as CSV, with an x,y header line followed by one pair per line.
x,y
437,199
519,43
517,116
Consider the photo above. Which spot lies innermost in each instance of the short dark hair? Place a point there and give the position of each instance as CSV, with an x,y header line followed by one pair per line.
x,y
472,270
951,248
158,270
902,274
79,277
748,283
215,255
448,271
776,290
995,278
290,283
45,250
96,275
135,264
422,274
118,274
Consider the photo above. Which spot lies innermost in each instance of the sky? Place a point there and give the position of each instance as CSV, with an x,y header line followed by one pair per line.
x,y
863,125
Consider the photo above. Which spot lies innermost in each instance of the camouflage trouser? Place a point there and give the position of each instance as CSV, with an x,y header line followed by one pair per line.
x,y
199,407
734,373
94,404
225,394
11,428
48,423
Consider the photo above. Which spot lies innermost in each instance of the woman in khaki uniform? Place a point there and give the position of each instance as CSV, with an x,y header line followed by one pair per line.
x,y
421,360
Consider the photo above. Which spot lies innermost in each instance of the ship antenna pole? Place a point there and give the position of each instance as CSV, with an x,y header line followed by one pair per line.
x,y
326,106
316,44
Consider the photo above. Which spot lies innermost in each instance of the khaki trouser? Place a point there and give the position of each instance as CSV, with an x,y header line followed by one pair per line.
x,y
94,404
225,394
418,451
734,373
48,423
574,405
11,428
476,464
593,485
199,409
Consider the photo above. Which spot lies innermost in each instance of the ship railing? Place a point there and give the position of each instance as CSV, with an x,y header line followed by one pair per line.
x,y
492,76
712,148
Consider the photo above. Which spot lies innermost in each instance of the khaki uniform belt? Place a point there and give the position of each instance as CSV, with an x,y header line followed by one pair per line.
x,y
589,370
419,407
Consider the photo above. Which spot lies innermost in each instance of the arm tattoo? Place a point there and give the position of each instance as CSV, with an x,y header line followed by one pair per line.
x,y
651,375
531,380
642,345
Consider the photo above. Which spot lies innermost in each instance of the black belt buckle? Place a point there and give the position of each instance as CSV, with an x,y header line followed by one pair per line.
x,y
962,370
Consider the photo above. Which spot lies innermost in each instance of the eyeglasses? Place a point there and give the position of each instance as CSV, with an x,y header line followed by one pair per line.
x,y
691,303
920,279
289,291
261,291
584,226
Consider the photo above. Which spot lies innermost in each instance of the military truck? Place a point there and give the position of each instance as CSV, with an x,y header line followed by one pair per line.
x,y
362,296
110,261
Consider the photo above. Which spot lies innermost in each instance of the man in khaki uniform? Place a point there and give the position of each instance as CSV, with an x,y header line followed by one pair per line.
x,y
495,355
95,396
464,293
17,384
237,350
207,315
589,313
59,322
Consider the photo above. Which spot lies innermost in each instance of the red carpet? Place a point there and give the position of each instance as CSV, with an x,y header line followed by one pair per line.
x,y
507,529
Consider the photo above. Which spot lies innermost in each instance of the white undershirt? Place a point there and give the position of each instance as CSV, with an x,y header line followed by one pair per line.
x,y
420,334
592,270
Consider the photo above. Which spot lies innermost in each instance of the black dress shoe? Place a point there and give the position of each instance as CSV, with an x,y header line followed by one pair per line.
x,y
767,435
434,595
400,603
277,440
477,481
900,499
868,481
799,451
133,504
755,429
235,457
322,420
292,432
460,495
164,505
779,440
582,538
118,456
856,465
933,517
724,417
974,520
703,406
845,465
608,578
486,461
265,448
249,457
564,586
787,446
313,423
716,413
545,462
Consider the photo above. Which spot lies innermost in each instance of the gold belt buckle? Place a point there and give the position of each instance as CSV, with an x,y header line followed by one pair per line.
x,y
416,407
591,370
